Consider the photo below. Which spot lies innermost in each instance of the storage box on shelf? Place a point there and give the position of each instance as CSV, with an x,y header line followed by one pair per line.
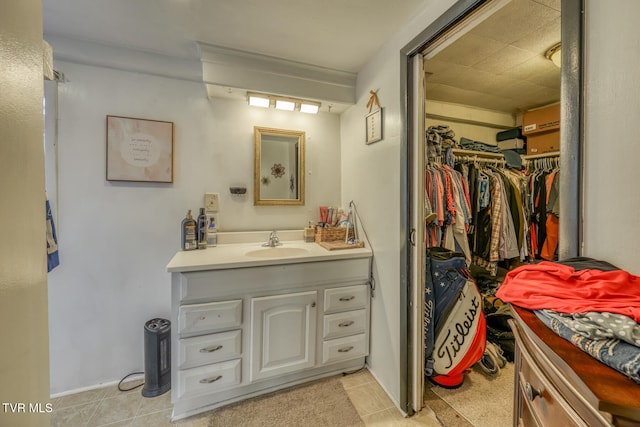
x,y
542,129
513,133
544,142
541,120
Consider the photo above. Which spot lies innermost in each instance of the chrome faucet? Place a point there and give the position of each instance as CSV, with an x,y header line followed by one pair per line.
x,y
273,240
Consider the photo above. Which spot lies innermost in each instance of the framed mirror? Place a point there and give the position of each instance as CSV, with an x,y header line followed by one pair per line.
x,y
278,174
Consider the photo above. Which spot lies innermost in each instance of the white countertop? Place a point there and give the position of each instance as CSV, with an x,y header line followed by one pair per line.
x,y
234,255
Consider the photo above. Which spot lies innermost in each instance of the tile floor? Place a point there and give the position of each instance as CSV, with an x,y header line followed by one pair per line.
x,y
110,407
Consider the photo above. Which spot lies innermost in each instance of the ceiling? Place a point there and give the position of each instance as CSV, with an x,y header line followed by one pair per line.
x,y
500,63
337,34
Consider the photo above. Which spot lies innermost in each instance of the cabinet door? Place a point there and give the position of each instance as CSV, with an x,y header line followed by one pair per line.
x,y
283,334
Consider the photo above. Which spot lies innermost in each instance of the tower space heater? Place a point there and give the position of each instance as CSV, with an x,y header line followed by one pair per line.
x,y
157,357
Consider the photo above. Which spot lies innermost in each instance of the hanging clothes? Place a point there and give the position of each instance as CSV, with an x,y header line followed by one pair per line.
x,y
498,228
544,176
448,196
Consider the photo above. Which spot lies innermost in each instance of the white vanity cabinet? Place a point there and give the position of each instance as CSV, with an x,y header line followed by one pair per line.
x,y
240,332
345,323
283,334
215,356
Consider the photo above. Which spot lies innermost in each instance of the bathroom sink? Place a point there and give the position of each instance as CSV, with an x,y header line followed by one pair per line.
x,y
276,252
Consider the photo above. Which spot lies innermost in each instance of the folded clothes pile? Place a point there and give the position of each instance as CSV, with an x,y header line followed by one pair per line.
x,y
469,144
439,138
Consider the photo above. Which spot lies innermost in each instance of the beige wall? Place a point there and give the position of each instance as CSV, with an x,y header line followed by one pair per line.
x,y
24,348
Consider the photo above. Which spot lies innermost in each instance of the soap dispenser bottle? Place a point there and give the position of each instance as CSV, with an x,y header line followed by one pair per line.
x,y
189,237
202,229
212,232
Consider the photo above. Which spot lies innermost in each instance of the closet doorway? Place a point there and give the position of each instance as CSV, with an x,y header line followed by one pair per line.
x,y
455,77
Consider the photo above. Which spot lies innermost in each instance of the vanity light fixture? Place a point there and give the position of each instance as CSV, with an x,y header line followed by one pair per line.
x,y
283,103
257,100
309,107
554,54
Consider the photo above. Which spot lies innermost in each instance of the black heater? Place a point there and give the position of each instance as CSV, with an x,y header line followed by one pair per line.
x,y
157,357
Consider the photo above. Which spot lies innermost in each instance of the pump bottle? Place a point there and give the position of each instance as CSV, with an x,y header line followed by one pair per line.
x,y
189,238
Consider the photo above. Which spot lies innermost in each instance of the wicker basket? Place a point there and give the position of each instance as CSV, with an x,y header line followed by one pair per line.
x,y
331,234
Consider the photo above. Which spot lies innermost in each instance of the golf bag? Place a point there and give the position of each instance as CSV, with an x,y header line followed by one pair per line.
x,y
454,324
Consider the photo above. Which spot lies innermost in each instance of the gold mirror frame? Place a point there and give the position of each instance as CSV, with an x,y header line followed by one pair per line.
x,y
281,169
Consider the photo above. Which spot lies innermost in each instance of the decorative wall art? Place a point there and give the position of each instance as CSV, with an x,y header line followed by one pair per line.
x,y
374,126
373,120
139,150
277,170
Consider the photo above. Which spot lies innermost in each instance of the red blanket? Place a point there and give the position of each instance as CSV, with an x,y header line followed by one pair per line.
x,y
560,288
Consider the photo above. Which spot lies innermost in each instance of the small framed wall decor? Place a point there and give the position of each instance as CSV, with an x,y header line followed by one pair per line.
x,y
139,150
374,126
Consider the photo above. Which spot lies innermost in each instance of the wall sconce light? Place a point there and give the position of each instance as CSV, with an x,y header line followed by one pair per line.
x,y
554,54
283,103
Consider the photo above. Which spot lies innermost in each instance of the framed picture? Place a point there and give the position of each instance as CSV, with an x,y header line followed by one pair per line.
x,y
139,150
374,126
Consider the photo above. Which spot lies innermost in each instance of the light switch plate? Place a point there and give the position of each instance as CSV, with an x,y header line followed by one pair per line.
x,y
211,202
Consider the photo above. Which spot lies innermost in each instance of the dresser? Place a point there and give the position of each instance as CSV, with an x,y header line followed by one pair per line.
x,y
557,384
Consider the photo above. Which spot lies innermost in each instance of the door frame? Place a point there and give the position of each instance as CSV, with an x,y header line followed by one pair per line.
x,y
571,132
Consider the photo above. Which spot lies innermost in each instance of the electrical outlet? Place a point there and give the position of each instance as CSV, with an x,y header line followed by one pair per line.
x,y
211,202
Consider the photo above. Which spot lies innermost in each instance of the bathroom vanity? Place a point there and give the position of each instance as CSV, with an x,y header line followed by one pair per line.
x,y
248,319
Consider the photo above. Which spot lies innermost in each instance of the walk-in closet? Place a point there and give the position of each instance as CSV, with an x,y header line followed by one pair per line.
x,y
490,89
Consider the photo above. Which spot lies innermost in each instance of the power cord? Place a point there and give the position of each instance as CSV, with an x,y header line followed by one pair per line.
x,y
356,220
127,376
355,371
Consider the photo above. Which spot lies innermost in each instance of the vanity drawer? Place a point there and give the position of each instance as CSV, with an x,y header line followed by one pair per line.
x,y
346,298
343,324
205,349
208,379
343,349
546,404
209,317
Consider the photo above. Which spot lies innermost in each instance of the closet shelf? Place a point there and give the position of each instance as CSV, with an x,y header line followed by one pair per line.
x,y
466,121
486,154
541,156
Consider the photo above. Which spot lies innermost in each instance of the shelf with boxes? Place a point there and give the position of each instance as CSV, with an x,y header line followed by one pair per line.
x,y
542,129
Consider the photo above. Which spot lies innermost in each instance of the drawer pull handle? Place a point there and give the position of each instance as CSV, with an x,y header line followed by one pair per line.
x,y
349,298
345,324
345,349
210,349
531,392
210,380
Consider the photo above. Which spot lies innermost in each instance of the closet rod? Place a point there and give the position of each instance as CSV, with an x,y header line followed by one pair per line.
x,y
466,121
540,156
497,162
486,154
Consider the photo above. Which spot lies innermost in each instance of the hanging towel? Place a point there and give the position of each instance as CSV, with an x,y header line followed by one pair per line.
x,y
52,244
